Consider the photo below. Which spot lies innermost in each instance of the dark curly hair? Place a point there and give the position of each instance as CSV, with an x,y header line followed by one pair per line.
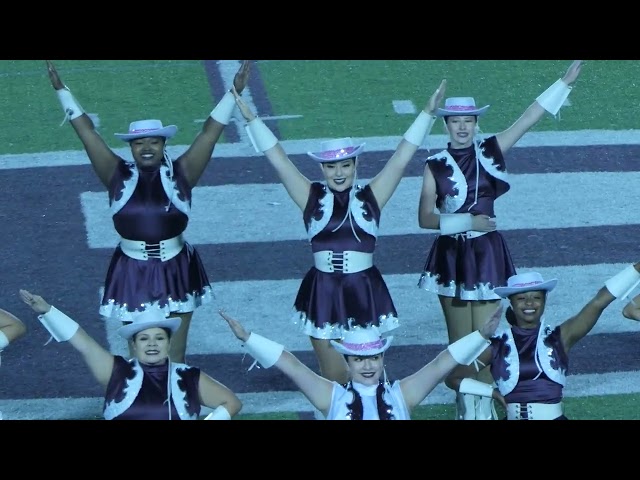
x,y
356,409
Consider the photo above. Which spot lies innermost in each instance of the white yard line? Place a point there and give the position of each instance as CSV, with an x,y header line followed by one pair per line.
x,y
293,147
399,218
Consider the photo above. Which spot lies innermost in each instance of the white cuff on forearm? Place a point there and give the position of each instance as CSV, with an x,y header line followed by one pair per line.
x,y
554,97
60,326
420,128
623,283
455,223
223,111
70,105
220,413
265,351
4,341
468,348
475,387
262,138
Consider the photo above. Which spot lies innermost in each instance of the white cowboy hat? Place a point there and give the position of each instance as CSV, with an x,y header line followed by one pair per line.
x,y
150,318
336,150
362,342
460,106
525,282
147,128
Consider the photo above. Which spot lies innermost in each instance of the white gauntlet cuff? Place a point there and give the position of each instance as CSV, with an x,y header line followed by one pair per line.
x,y
223,111
262,138
70,105
455,223
554,97
475,387
420,128
265,351
468,348
623,283
60,326
220,413
4,341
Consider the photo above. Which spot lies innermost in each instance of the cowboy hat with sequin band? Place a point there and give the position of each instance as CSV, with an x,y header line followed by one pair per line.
x,y
150,318
362,342
461,106
147,128
151,128
525,282
337,150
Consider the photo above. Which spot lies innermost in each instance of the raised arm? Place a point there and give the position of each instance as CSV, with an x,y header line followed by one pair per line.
x,y
195,160
268,353
64,329
11,328
549,101
416,387
618,286
297,185
102,158
385,183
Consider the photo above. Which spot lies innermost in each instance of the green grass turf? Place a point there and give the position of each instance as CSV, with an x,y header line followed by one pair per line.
x,y
335,97
606,407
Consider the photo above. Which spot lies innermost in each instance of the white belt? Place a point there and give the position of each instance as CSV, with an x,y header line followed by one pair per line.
x,y
534,411
165,250
346,262
468,235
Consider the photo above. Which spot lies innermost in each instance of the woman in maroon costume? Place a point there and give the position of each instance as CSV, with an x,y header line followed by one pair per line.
x,y
150,202
149,386
460,186
529,358
344,288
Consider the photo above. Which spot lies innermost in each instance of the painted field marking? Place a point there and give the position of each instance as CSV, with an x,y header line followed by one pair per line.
x,y
300,147
551,192
266,307
404,107
242,121
596,384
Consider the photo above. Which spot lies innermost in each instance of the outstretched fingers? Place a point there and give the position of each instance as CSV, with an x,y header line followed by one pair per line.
x,y
53,75
244,68
573,71
489,328
436,98
236,327
26,296
243,107
232,322
36,302
242,76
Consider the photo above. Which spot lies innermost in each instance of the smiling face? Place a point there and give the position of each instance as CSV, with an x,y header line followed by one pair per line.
x,y
151,346
366,370
148,152
339,175
461,130
528,307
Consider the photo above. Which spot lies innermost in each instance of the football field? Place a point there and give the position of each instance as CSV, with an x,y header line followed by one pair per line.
x,y
570,214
